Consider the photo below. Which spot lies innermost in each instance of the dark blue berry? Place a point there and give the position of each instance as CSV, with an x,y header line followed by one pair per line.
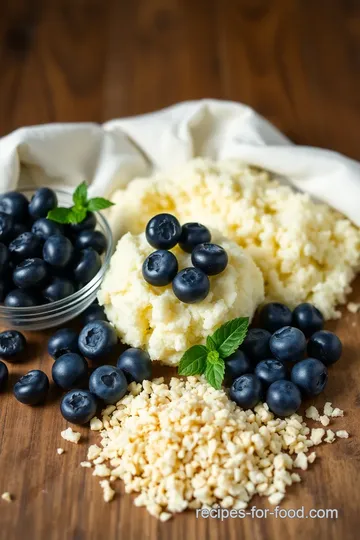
x,y
191,285
26,246
70,371
310,375
18,228
57,289
325,346
93,313
12,345
236,364
283,398
97,339
43,200
160,268
163,231
288,344
15,204
32,388
246,391
57,251
274,316
20,298
4,258
269,371
86,266
6,227
136,365
30,273
210,258
4,375
108,383
193,234
256,344
46,227
308,319
93,239
62,342
88,224
78,406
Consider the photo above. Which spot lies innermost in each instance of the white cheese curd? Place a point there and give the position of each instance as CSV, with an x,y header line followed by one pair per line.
x,y
307,251
153,318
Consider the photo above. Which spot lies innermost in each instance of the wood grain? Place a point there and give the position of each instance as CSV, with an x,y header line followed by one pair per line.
x,y
297,62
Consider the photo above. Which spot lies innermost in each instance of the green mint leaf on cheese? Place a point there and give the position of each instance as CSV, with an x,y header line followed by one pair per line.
x,y
60,215
230,336
210,344
98,203
193,362
80,195
214,373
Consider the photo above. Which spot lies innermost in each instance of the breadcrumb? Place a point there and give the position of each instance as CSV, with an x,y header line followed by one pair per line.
x,y
70,435
108,492
311,457
342,434
60,451
86,464
330,436
96,424
325,420
7,497
328,409
316,435
337,413
312,413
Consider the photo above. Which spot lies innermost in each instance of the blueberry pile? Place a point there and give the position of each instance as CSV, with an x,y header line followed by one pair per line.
x,y
161,268
43,261
284,361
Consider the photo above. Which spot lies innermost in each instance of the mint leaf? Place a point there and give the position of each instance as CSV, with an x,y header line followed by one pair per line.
x,y
98,203
60,215
193,361
230,336
214,373
77,215
80,195
210,344
213,357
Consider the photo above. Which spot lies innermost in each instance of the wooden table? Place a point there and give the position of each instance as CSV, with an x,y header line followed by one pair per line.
x,y
296,62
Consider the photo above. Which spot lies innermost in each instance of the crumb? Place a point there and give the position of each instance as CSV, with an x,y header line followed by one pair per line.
x,y
301,461
60,451
7,497
316,435
342,434
70,435
328,409
86,464
108,492
96,424
312,413
94,451
352,307
337,413
325,420
311,458
330,436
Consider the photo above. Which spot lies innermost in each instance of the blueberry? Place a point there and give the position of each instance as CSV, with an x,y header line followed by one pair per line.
x,y
163,231
136,365
283,398
32,388
160,268
30,273
325,346
6,227
25,246
4,258
246,391
45,227
191,285
310,375
57,289
210,258
193,234
43,200
269,371
12,344
308,319
97,339
93,239
93,313
256,344
57,250
62,342
4,375
15,204
18,228
288,344
70,371
274,316
108,383
236,364
20,298
78,406
87,265
88,224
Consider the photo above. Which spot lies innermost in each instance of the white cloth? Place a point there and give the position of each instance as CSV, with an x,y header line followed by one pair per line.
x,y
109,156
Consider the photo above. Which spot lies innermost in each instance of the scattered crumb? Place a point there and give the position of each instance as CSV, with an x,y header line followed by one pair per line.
x,y
96,424
325,420
101,470
60,451
295,477
336,413
311,457
301,461
352,307
70,435
165,516
7,497
312,413
342,434
108,492
328,409
276,498
86,464
94,451
330,436
316,435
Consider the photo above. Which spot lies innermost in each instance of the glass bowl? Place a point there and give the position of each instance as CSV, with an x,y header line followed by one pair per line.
x,y
61,311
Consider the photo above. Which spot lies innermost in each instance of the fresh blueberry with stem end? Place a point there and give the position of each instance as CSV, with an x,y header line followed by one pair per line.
x,y
310,375
256,344
93,313
160,268
88,224
274,316
70,371
78,406
62,342
308,319
43,200
97,339
93,239
163,231
20,298
325,346
136,365
236,364
87,265
15,204
30,273
269,371
4,375
108,383
193,234
6,226
246,391
57,250
25,246
46,227
12,344
4,258
283,398
32,388
210,258
191,285
288,344
57,289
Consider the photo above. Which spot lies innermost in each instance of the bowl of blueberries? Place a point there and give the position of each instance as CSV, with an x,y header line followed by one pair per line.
x,y
49,271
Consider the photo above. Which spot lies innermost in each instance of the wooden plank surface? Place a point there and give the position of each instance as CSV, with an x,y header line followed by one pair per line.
x,y
296,62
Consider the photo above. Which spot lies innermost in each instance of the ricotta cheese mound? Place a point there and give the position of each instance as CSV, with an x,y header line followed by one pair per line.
x,y
307,251
154,319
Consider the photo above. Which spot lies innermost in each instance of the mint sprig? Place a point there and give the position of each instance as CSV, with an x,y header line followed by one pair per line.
x,y
210,359
82,205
